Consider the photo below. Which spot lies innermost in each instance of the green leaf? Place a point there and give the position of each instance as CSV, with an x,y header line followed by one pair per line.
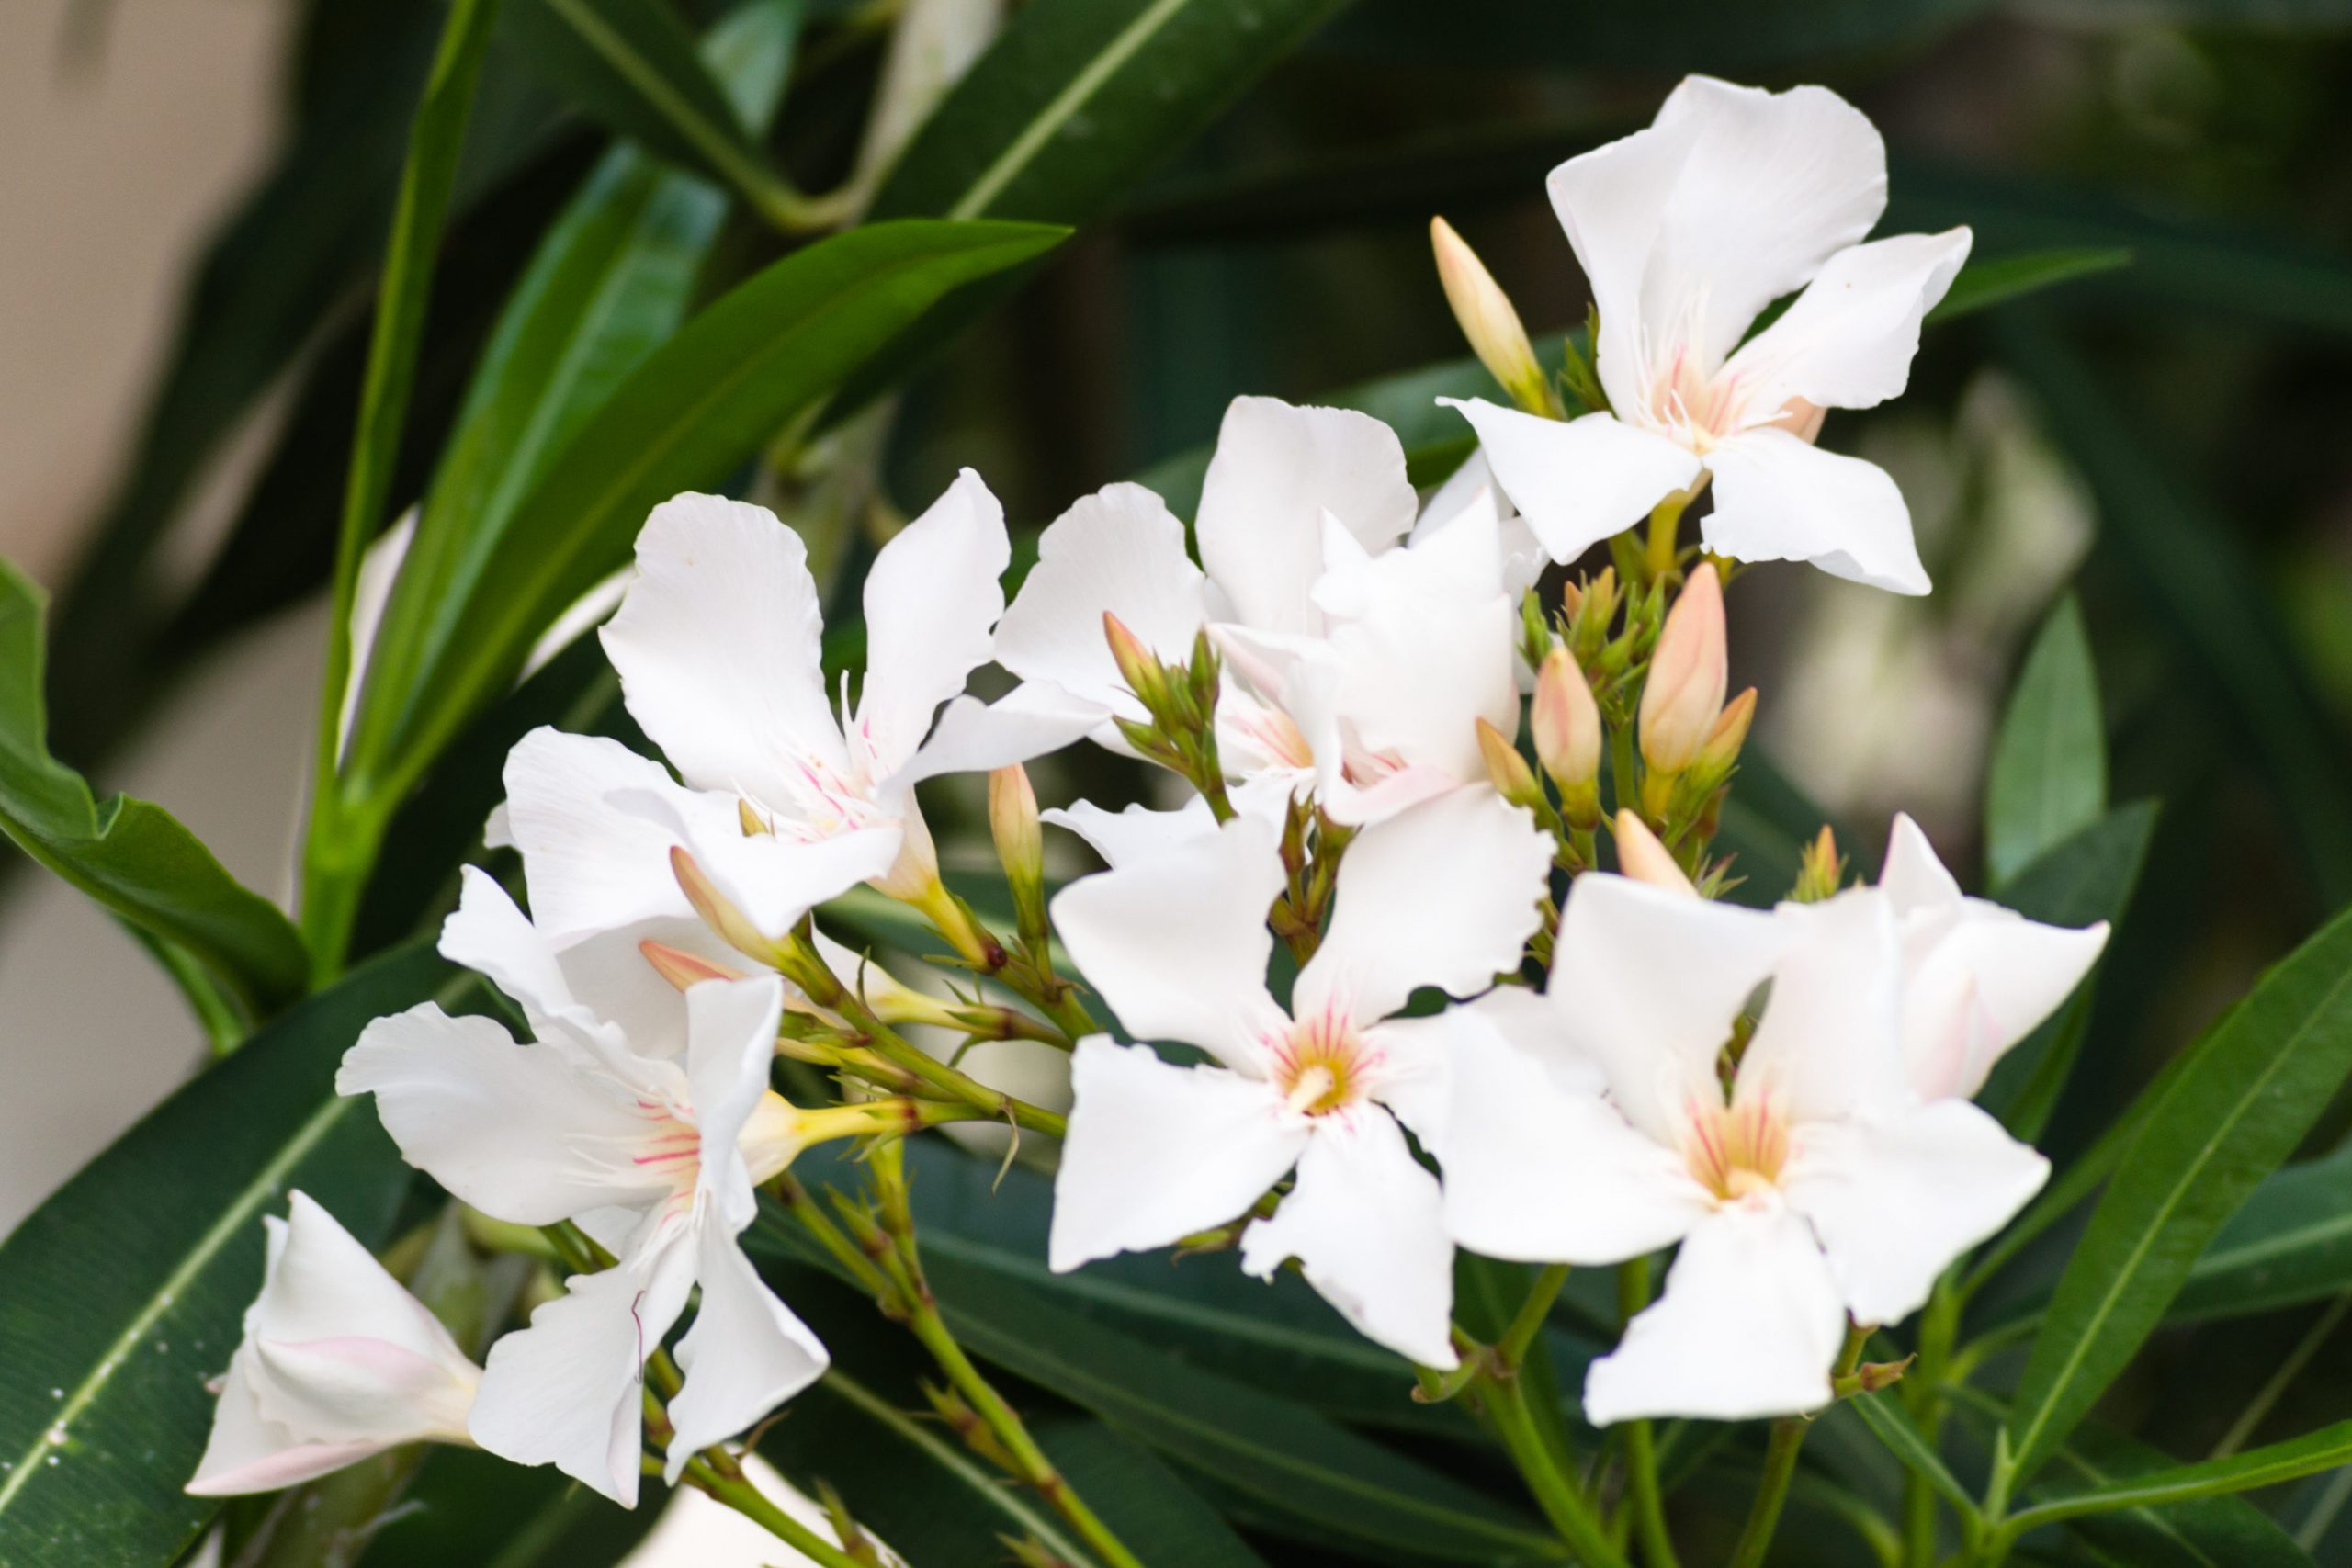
x,y
632,64
1319,1479
2088,876
124,1292
1993,280
1143,1501
2049,778
2218,1532
770,350
2326,1449
131,856
610,284
1885,1415
1703,35
2235,1110
469,1507
1078,98
2290,1244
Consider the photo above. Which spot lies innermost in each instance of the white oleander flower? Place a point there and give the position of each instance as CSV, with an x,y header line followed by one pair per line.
x,y
1356,666
1441,896
645,1117
783,804
1593,1124
338,1362
1688,231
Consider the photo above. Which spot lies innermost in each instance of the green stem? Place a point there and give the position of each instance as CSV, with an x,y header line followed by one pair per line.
x,y
1504,1402
748,1500
1665,537
1922,1394
1780,1468
1641,1445
1532,1313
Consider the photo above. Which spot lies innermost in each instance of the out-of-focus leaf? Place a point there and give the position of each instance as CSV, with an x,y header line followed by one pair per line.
x,y
2290,1244
2195,576
1883,1413
2223,1123
1705,35
633,65
774,347
610,284
1994,280
468,1508
124,1292
131,856
2049,777
2217,1532
2087,877
1143,1501
1076,98
2177,1485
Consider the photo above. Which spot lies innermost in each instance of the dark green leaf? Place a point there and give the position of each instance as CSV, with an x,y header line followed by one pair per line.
x,y
468,1508
2291,1242
1991,280
2218,1532
2049,777
130,855
1885,1415
123,1292
610,284
1142,1499
1702,35
2234,1111
2326,1449
632,64
1078,98
772,348
2088,876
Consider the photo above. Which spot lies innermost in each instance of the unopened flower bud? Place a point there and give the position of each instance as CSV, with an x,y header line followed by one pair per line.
x,y
1488,320
1821,872
1137,667
681,968
1020,846
1567,734
718,911
1643,858
1684,693
1730,733
1514,779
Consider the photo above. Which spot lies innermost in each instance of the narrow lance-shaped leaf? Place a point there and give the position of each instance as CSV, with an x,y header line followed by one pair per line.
x,y
2049,777
2327,1448
2225,1121
739,372
610,284
632,64
122,1293
2290,1244
131,856
1987,281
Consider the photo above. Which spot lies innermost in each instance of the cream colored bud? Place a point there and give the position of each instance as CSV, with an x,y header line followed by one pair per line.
x,y
1513,779
1138,665
1488,320
1730,733
1684,693
1565,720
681,968
718,911
913,875
1012,821
1643,858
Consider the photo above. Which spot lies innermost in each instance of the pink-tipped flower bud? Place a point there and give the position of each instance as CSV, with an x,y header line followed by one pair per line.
x,y
681,968
1567,723
1730,733
1684,693
1020,845
1513,779
1137,666
1489,321
1643,858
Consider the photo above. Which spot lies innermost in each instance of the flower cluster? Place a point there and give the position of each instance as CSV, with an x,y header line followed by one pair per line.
x,y
1408,1009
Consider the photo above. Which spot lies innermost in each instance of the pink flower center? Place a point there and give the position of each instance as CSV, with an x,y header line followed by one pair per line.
x,y
1737,1150
1322,1064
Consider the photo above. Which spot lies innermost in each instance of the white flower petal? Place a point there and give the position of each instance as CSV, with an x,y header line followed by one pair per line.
x,y
1650,980
1119,550
1984,987
1895,1201
593,861
974,736
1913,875
1444,895
1848,341
1156,1152
1576,482
745,1354
1365,1224
1772,186
931,599
772,877
1830,1042
1277,470
717,644
246,1454
731,1043
1749,1325
1177,944
1139,831
380,568
519,1132
1778,498
568,1390
1539,1171
1612,203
